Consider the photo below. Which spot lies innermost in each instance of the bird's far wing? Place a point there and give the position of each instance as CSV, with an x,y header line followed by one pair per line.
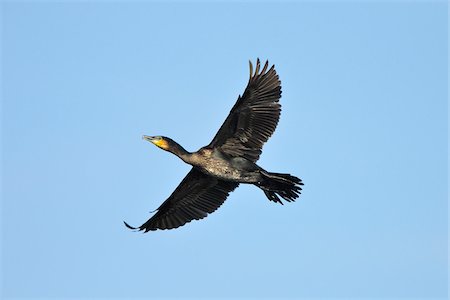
x,y
195,197
254,117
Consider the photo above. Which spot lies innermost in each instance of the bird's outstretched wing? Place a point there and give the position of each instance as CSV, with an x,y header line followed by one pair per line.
x,y
195,197
254,117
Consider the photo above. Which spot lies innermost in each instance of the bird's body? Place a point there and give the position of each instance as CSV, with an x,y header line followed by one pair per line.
x,y
230,158
215,163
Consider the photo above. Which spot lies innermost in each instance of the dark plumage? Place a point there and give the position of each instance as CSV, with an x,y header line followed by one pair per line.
x,y
230,158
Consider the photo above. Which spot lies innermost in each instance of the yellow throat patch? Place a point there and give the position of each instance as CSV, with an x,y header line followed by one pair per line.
x,y
161,143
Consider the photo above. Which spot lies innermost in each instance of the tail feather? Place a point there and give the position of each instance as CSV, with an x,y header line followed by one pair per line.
x,y
276,185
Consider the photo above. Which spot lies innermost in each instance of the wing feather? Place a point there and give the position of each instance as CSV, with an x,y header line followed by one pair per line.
x,y
195,197
254,117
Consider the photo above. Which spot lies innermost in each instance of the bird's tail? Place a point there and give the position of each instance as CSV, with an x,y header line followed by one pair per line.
x,y
286,186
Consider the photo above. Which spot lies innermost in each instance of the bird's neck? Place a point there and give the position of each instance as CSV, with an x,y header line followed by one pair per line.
x,y
181,153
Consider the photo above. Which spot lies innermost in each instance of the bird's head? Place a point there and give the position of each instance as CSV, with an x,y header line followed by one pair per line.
x,y
160,141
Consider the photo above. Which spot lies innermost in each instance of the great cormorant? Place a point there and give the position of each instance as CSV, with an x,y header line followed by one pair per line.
x,y
230,158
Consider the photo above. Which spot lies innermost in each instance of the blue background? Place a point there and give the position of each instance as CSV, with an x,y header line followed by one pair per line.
x,y
364,124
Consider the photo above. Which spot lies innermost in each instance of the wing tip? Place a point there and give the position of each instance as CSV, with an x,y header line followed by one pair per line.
x,y
130,227
258,67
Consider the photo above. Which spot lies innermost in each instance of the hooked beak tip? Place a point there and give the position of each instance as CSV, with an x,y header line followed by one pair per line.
x,y
147,138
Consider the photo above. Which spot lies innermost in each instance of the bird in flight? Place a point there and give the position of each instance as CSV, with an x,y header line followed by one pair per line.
x,y
230,158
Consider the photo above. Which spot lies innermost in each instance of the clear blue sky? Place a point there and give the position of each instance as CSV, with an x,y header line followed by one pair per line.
x,y
364,124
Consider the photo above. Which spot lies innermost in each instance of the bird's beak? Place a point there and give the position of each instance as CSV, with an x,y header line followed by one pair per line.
x,y
148,138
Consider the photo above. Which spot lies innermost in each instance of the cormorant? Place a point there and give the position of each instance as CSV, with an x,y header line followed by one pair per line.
x,y
230,158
